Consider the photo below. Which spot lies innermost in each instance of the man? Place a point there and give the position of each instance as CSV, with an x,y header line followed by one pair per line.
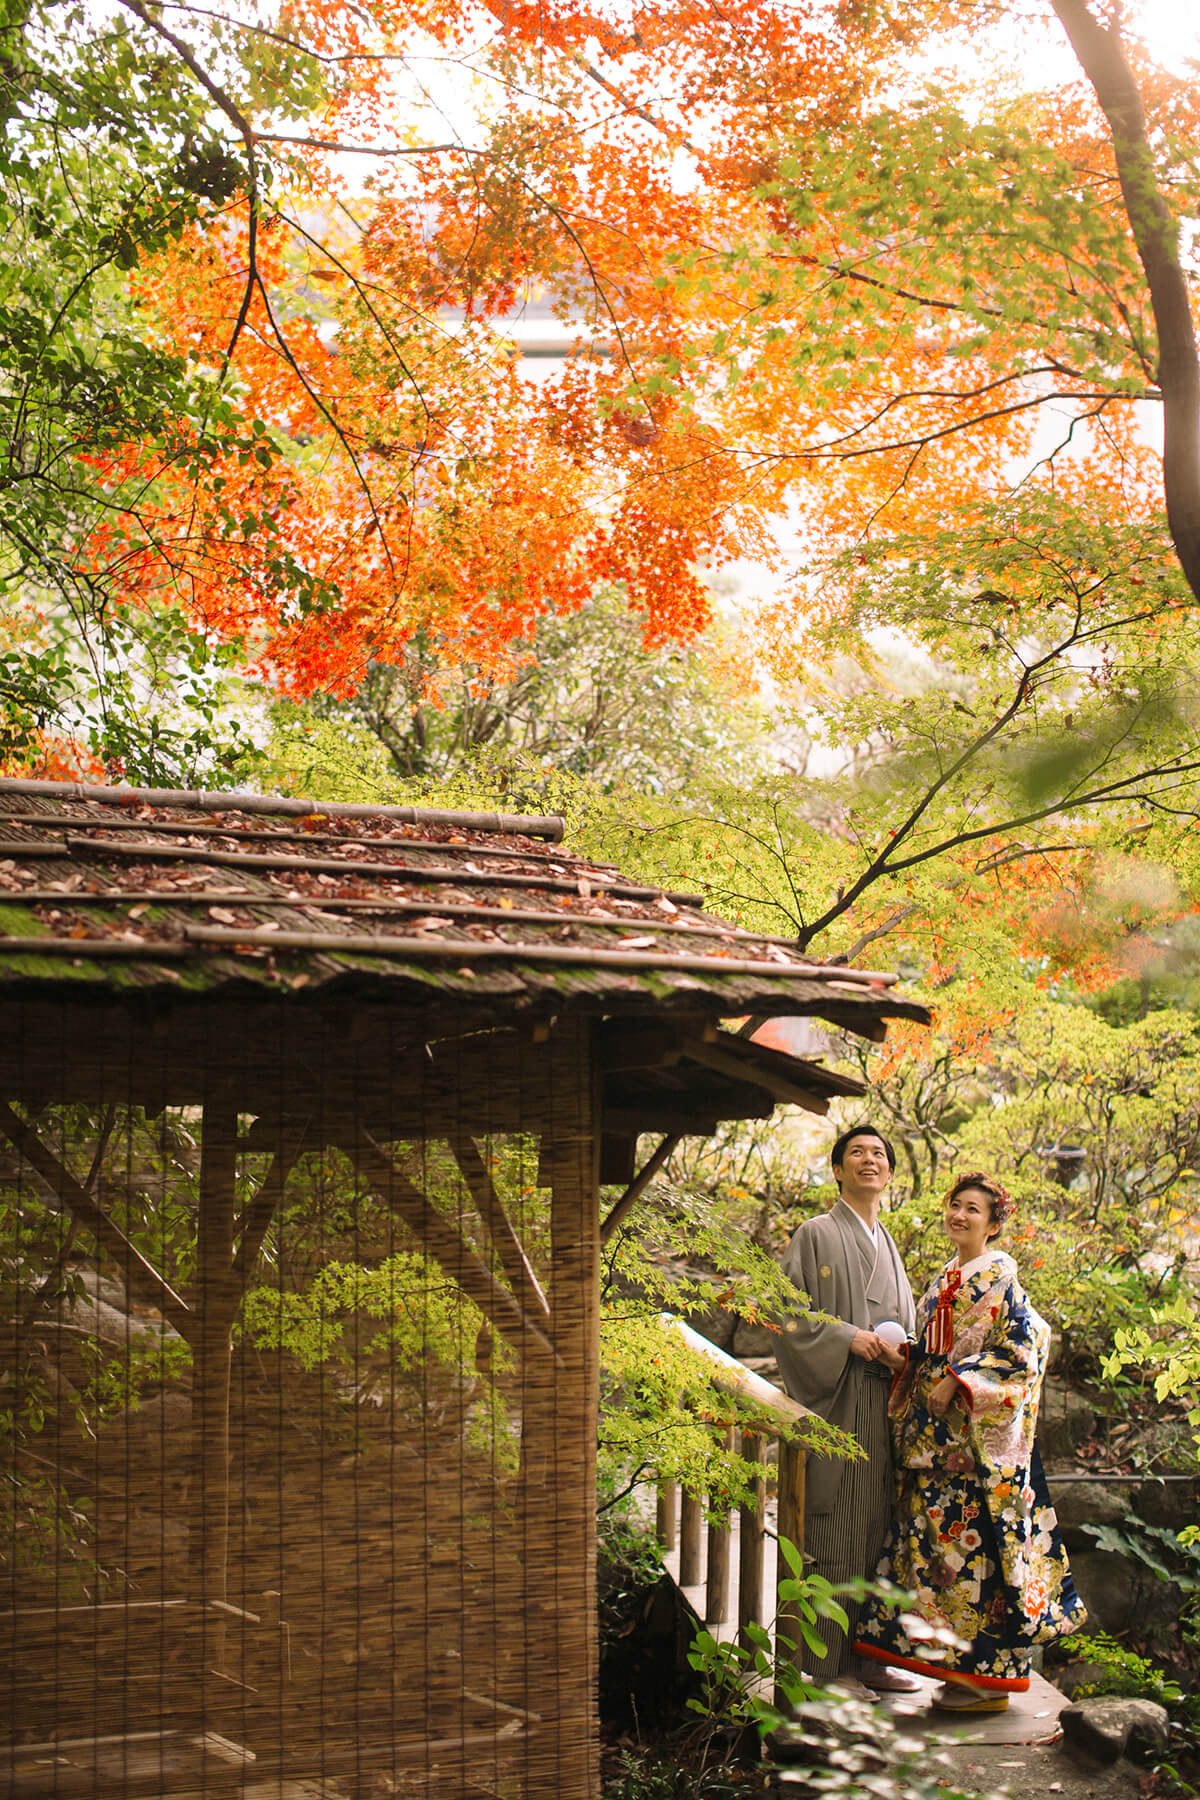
x,y
846,1263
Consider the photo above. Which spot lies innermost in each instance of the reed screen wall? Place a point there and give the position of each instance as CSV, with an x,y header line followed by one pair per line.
x,y
299,1432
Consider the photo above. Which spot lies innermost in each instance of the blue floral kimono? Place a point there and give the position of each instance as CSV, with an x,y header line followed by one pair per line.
x,y
975,1538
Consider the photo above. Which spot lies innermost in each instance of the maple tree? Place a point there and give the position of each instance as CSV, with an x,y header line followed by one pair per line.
x,y
299,448
810,274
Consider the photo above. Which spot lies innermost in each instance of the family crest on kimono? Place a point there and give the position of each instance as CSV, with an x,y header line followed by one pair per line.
x,y
975,1537
836,1361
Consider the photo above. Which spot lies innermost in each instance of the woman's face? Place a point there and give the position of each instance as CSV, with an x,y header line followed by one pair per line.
x,y
969,1223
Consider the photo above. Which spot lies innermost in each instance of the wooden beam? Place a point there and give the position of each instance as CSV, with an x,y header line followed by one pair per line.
x,y
716,1574
255,1221
141,1277
873,1029
638,1186
789,1644
691,1525
655,1119
445,1245
628,1044
509,1248
747,1068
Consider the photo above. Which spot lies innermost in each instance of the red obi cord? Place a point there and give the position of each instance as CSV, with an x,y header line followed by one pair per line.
x,y
940,1334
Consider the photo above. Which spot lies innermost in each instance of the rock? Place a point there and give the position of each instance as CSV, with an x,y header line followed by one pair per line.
x,y
1107,1727
1108,1586
1171,1503
646,1631
1120,1594
1065,1419
101,1287
1080,1503
717,1325
752,1340
1069,1677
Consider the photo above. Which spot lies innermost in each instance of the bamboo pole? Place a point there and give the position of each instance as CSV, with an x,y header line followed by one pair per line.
x,y
470,950
515,824
456,873
751,1538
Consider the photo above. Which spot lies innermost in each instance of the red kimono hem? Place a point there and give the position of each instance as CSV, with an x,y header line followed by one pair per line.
x,y
991,1684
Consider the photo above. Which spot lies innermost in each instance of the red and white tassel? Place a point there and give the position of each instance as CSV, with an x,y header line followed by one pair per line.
x,y
940,1335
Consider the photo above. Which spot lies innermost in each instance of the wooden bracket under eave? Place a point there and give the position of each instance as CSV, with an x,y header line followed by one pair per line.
x,y
744,1068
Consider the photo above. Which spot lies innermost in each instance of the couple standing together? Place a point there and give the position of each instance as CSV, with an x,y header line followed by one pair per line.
x,y
949,1501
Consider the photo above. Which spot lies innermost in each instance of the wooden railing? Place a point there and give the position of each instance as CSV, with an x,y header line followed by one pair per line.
x,y
680,1517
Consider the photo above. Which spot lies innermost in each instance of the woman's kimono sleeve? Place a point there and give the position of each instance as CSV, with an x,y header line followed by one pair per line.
x,y
999,1358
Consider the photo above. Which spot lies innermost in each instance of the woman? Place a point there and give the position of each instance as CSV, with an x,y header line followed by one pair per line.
x,y
975,1538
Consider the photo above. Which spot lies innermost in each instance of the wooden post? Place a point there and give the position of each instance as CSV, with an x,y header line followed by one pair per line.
x,y
751,1532
789,1645
691,1516
564,1757
716,1596
214,1305
716,1591
664,1515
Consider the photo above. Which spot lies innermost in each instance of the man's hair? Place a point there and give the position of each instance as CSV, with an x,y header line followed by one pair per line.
x,y
847,1137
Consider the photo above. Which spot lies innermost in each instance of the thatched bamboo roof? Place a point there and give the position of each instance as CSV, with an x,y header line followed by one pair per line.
x,y
159,898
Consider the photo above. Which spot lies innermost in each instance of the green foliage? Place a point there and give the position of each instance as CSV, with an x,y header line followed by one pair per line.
x,y
108,157
1169,1346
590,701
839,1746
1123,1671
1119,1670
660,1775
664,1411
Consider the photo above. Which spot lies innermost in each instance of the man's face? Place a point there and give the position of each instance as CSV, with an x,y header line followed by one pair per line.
x,y
864,1165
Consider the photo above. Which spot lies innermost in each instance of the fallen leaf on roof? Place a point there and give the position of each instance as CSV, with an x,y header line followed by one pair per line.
x,y
222,915
665,905
585,888
642,943
136,912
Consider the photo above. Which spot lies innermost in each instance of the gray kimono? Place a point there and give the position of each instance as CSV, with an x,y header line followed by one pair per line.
x,y
848,1505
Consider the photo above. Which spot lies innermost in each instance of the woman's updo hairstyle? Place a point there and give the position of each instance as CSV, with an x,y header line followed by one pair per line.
x,y
1000,1201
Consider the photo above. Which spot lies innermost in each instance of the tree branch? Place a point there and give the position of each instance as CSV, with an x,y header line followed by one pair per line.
x,y
1101,55
242,126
